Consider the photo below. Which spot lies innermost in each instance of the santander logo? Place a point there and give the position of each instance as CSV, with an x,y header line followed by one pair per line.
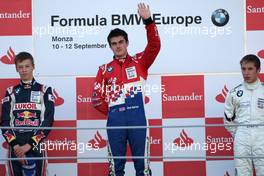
x,y
261,54
184,140
58,100
9,58
221,97
98,141
146,100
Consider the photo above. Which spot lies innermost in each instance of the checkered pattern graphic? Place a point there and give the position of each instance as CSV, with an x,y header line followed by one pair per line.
x,y
181,100
127,92
115,95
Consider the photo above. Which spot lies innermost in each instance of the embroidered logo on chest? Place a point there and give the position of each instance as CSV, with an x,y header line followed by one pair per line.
x,y
131,72
260,103
35,96
240,93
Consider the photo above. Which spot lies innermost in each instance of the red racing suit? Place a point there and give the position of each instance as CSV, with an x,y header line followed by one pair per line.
x,y
119,93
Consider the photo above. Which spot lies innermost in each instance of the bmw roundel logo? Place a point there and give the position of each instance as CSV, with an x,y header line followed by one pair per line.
x,y
220,17
240,93
110,69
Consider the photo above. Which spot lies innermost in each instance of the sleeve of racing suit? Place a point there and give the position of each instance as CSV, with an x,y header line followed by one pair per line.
x,y
153,43
98,94
230,113
48,118
8,134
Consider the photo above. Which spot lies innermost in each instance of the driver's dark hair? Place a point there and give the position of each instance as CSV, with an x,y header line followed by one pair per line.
x,y
251,58
115,33
20,57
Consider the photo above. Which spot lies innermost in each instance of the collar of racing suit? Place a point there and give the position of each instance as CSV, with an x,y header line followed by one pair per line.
x,y
121,62
28,84
253,85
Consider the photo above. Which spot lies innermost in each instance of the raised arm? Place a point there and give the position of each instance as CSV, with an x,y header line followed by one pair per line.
x,y
153,41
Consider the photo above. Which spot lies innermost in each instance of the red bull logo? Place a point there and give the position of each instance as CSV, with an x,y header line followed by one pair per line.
x,y
9,137
38,137
27,115
27,118
184,140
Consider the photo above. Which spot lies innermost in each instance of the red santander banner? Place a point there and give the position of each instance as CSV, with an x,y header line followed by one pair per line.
x,y
85,109
218,139
255,15
190,168
62,143
183,96
15,17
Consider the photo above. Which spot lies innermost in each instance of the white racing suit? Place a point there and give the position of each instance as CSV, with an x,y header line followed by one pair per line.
x,y
245,105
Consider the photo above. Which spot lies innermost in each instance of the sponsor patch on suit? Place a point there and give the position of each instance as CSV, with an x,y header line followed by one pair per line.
x,y
131,72
35,96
